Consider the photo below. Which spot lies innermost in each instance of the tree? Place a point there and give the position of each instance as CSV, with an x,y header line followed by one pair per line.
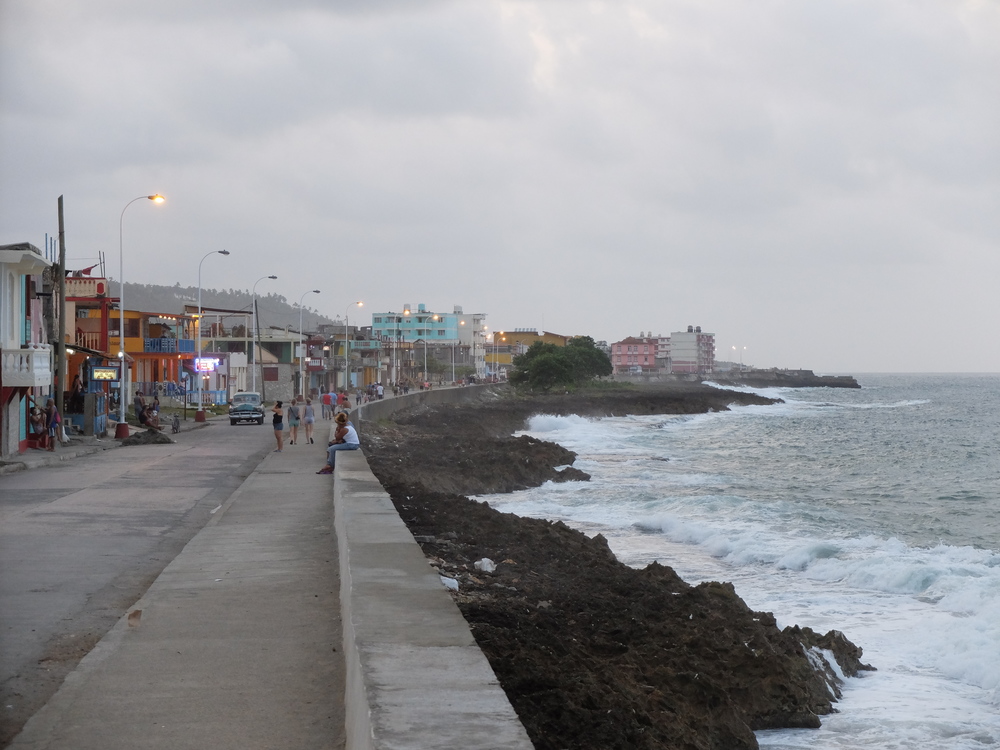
x,y
545,366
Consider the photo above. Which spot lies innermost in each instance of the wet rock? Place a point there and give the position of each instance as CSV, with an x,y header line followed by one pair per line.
x,y
594,654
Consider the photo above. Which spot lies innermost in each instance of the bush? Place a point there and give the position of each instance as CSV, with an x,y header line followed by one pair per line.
x,y
545,366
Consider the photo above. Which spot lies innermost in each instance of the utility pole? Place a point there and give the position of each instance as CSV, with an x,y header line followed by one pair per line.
x,y
61,341
256,333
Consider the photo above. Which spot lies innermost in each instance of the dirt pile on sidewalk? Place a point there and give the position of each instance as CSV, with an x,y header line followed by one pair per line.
x,y
592,653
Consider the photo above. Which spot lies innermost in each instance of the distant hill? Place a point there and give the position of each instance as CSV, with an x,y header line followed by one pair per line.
x,y
272,309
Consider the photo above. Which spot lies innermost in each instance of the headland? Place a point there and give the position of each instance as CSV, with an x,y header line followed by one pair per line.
x,y
593,653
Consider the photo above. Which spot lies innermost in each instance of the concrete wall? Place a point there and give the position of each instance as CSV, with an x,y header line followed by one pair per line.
x,y
415,676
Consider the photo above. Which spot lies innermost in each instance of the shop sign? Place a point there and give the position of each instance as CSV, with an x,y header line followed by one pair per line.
x,y
105,373
206,364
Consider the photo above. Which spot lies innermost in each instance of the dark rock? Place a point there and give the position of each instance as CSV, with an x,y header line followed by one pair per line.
x,y
593,653
146,437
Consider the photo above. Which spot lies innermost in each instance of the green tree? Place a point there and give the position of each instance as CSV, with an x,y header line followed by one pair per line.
x,y
545,366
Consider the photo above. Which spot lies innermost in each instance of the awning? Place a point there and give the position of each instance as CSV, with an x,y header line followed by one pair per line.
x,y
94,353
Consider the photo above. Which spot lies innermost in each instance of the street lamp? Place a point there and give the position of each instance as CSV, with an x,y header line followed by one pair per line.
x,y
461,323
253,334
346,354
302,369
485,330
121,431
741,356
426,334
199,415
496,368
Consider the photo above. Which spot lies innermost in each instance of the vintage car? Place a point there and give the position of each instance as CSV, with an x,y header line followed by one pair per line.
x,y
246,407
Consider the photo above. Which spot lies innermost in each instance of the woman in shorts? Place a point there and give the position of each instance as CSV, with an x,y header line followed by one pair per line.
x,y
293,422
278,426
308,419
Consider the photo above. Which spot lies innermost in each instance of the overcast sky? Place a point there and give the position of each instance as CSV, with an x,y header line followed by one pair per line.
x,y
818,182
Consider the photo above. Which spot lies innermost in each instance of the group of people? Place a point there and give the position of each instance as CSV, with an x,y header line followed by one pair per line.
x,y
45,424
148,415
334,403
300,412
343,438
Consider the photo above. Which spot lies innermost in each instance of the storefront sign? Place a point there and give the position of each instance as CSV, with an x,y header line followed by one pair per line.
x,y
206,364
105,373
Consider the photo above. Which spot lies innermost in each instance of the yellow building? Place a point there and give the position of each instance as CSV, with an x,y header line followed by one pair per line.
x,y
520,340
508,344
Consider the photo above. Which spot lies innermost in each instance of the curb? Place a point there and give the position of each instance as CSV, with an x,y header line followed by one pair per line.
x,y
31,460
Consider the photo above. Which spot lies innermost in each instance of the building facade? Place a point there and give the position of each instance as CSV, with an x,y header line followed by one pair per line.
x,y
636,355
26,366
682,352
460,334
692,351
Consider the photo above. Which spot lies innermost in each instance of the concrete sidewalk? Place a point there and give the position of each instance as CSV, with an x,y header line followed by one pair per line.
x,y
236,645
80,445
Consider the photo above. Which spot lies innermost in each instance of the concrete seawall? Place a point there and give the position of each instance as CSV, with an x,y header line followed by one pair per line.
x,y
415,676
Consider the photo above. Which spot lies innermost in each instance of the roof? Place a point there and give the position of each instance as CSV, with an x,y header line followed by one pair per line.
x,y
24,256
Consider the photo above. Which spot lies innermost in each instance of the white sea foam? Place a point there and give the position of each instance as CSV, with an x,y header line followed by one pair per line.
x,y
827,513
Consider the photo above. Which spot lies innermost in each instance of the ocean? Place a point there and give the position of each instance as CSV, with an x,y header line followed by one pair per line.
x,y
871,511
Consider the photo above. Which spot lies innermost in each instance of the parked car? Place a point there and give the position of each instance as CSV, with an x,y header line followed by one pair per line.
x,y
246,407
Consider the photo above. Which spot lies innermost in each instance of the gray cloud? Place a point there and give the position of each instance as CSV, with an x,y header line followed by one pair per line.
x,y
814,181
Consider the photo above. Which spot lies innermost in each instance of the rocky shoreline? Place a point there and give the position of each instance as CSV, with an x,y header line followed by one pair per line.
x,y
593,653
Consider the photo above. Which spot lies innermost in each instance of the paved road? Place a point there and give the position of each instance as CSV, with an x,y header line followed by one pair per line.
x,y
82,541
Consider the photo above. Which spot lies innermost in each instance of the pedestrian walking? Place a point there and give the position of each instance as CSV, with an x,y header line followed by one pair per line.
x,y
308,419
276,420
327,405
293,422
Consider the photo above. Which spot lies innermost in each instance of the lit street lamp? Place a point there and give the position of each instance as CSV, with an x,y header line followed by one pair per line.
x,y
199,415
121,431
253,332
741,356
427,333
302,353
346,353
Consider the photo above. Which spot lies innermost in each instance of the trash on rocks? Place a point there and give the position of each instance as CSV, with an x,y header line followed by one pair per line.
x,y
146,437
450,583
486,565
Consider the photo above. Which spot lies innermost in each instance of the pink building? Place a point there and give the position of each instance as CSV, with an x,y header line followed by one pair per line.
x,y
635,354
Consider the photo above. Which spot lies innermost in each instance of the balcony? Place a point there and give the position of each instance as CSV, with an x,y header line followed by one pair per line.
x,y
30,367
168,346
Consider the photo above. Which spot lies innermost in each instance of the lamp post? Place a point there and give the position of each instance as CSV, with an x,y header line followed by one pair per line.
x,y
484,329
426,334
302,358
199,415
741,356
496,367
121,431
461,323
253,334
346,353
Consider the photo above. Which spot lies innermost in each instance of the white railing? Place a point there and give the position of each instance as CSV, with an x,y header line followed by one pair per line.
x,y
89,340
30,367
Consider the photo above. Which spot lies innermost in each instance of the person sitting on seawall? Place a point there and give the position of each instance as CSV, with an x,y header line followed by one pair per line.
x,y
344,438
